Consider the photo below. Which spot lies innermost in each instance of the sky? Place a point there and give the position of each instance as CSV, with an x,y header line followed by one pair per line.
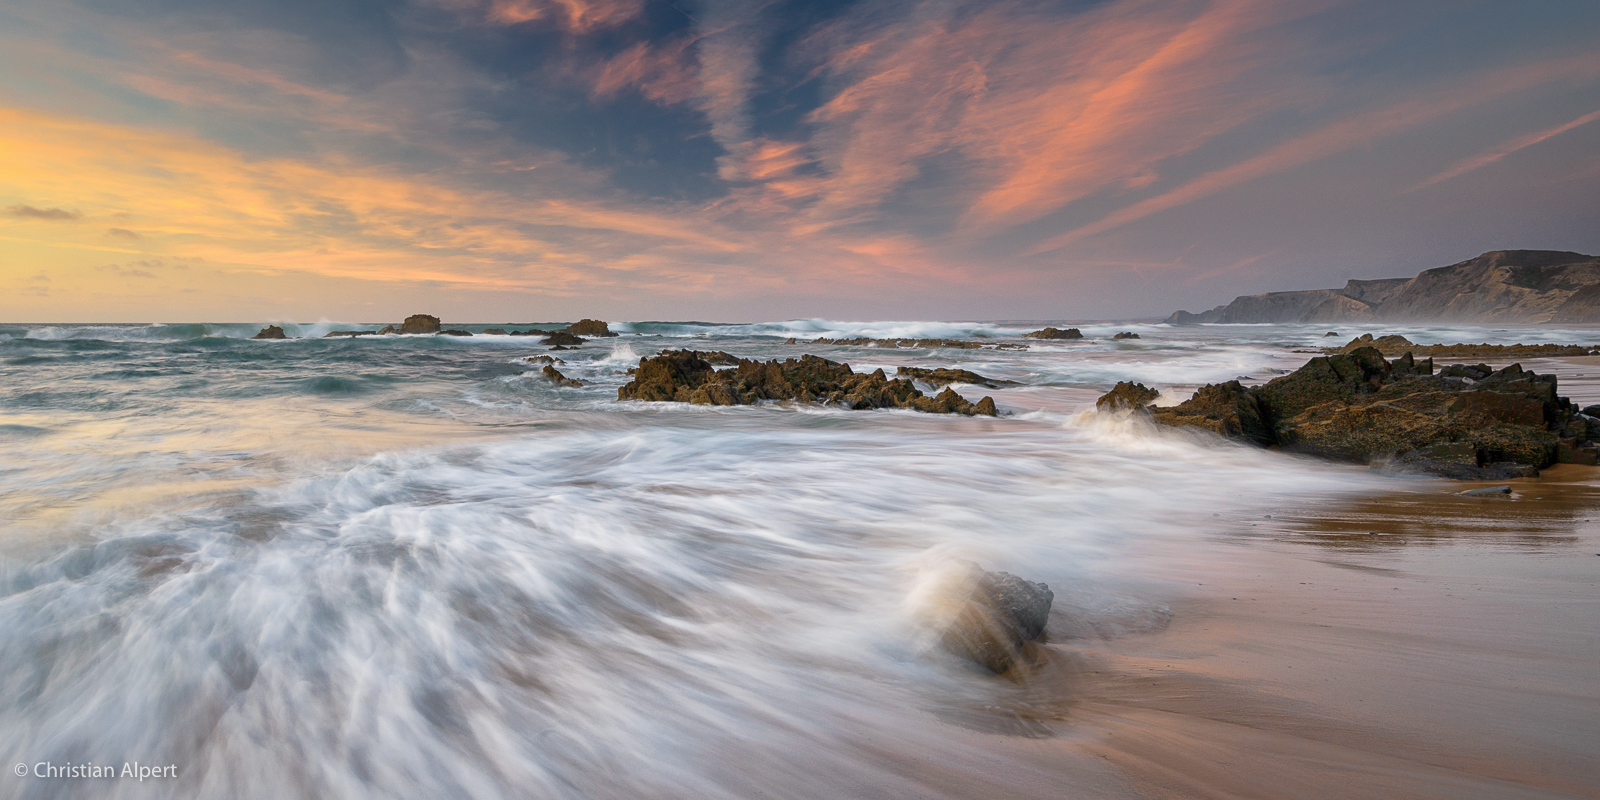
x,y
531,160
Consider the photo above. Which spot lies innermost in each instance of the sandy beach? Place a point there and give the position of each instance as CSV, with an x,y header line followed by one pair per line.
x,y
1415,645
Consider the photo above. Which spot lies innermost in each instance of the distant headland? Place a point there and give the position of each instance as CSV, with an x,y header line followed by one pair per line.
x,y
1501,286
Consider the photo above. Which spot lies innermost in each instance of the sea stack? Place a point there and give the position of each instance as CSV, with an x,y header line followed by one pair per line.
x,y
420,323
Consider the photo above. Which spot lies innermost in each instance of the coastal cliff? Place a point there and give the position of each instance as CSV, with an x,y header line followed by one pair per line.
x,y
1501,286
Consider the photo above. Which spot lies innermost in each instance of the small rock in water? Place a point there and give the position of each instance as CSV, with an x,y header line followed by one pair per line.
x,y
1000,614
1487,491
270,332
558,379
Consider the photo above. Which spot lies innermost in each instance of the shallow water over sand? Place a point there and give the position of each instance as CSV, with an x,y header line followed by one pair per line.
x,y
413,567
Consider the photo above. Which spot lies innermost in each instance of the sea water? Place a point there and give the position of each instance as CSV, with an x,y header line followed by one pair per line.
x,y
414,567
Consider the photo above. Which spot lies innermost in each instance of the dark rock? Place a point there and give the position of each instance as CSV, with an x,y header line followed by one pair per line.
x,y
920,343
495,332
1394,345
686,376
790,340
1126,335
1474,372
454,333
1127,395
945,377
1466,422
527,333
563,347
1487,491
562,338
1228,410
270,332
347,334
420,323
558,379
1054,333
1330,333
388,330
999,614
1592,411
543,360
590,327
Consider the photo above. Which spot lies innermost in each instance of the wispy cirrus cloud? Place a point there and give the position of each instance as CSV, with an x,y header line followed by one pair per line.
x,y
51,214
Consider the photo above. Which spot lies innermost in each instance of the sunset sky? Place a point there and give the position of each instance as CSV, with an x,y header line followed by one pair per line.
x,y
522,160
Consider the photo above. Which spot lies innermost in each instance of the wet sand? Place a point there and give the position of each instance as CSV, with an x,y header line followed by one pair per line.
x,y
1413,645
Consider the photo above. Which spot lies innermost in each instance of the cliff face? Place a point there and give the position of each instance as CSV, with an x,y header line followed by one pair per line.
x,y
1503,286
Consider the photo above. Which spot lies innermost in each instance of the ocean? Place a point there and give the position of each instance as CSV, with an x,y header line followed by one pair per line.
x,y
414,567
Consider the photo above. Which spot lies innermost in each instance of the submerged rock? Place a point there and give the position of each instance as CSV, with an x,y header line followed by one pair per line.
x,y
563,339
945,377
543,360
999,613
420,323
270,332
454,333
1466,422
687,376
388,330
1126,335
919,343
1054,333
495,332
347,334
590,327
558,379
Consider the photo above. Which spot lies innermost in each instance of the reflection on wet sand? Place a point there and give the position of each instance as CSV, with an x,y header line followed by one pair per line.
x,y
1365,666
1537,513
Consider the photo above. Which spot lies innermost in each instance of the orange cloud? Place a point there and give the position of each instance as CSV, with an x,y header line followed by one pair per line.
x,y
1338,137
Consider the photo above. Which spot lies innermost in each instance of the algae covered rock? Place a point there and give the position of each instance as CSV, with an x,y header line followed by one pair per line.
x,y
687,376
420,323
562,339
945,377
1467,421
590,327
1126,396
1054,333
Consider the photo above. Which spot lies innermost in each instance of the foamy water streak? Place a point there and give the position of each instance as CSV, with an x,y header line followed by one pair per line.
x,y
414,568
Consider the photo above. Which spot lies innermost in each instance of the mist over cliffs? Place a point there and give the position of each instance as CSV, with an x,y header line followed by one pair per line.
x,y
1501,286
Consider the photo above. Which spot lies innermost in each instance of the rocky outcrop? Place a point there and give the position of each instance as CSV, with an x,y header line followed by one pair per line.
x,y
270,332
554,376
685,377
1126,335
1397,345
563,339
1054,333
1127,396
454,333
347,334
1467,421
945,377
996,616
1501,286
495,332
420,323
543,360
590,327
918,343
